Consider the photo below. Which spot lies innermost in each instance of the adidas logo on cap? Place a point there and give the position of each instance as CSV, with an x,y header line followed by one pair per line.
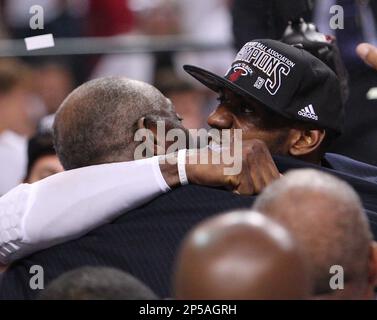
x,y
308,112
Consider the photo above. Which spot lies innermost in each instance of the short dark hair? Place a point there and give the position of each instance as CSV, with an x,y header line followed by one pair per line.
x,y
96,283
39,145
96,123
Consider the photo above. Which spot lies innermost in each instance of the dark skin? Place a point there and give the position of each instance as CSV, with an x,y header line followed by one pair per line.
x,y
235,256
264,133
258,167
258,170
281,135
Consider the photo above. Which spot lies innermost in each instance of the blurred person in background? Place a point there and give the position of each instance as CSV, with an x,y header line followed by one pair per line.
x,y
189,102
157,17
205,21
241,255
42,159
326,217
62,18
208,22
19,113
108,18
149,18
96,283
360,25
55,82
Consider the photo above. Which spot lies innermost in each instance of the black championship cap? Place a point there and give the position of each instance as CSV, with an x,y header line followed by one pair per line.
x,y
286,79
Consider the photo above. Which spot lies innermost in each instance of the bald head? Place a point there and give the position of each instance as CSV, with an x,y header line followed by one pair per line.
x,y
240,255
326,216
96,283
96,123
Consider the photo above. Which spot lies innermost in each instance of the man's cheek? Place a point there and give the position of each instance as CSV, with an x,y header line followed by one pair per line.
x,y
278,143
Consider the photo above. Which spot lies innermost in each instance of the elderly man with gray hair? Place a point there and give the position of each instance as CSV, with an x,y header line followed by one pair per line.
x,y
326,216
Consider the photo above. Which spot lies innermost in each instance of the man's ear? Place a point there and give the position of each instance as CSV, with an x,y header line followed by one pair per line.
x,y
158,145
141,123
304,142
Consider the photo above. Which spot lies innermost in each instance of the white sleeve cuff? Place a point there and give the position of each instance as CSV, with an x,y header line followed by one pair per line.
x,y
158,175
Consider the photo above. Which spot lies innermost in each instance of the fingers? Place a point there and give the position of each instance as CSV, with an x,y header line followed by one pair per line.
x,y
258,171
244,185
262,168
256,175
368,53
245,188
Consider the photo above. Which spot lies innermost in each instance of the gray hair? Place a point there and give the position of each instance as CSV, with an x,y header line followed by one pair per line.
x,y
96,283
97,121
326,215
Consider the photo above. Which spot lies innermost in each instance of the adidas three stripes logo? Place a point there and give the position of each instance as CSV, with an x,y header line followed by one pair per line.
x,y
308,112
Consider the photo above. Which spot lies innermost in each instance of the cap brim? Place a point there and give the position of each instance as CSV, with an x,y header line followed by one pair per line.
x,y
217,83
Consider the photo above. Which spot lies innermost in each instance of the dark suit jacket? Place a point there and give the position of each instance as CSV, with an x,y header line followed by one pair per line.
x,y
144,241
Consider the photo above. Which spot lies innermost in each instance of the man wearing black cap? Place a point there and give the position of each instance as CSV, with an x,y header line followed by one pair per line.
x,y
292,101
280,94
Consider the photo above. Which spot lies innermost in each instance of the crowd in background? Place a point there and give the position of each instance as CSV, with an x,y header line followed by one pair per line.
x,y
45,81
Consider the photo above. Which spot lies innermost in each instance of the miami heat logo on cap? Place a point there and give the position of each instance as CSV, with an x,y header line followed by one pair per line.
x,y
237,73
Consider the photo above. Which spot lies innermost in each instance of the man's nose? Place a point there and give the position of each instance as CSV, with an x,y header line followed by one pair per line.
x,y
221,118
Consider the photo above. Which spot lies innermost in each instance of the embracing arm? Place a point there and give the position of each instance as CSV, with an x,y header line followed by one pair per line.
x,y
69,204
